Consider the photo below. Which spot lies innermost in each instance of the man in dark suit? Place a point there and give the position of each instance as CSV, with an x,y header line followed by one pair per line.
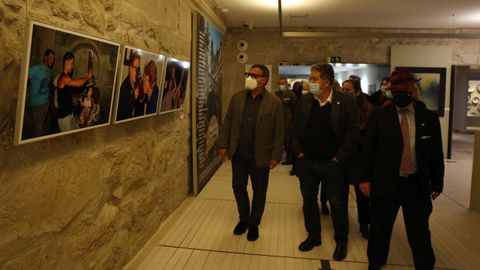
x,y
403,166
252,136
324,136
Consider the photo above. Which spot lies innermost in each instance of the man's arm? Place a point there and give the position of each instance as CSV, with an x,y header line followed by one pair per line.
x,y
437,166
224,138
366,160
278,133
352,132
295,143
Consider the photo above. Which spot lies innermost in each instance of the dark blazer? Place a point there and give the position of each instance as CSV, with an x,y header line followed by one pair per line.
x,y
269,131
382,151
345,124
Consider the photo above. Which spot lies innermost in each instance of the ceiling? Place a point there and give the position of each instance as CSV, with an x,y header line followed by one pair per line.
x,y
438,14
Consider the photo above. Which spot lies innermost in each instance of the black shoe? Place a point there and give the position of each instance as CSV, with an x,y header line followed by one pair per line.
x,y
252,234
310,243
325,209
292,172
287,163
364,230
241,227
374,267
340,252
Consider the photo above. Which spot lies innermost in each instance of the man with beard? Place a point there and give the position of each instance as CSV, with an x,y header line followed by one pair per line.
x,y
252,136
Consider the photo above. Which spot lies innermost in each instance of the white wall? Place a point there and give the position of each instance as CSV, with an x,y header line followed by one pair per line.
x,y
427,56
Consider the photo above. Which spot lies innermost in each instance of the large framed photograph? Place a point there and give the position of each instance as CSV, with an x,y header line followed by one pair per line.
x,y
66,83
175,85
138,93
206,100
431,86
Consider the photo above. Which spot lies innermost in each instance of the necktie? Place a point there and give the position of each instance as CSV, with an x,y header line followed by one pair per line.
x,y
406,165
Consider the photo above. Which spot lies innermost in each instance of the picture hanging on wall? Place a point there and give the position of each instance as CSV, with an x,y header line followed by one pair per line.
x,y
206,100
175,85
66,83
138,92
431,87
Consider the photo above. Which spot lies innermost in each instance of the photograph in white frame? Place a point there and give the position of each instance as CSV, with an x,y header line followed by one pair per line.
x,y
175,85
67,82
138,91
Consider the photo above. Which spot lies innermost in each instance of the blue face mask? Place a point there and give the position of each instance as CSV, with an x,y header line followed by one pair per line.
x,y
314,88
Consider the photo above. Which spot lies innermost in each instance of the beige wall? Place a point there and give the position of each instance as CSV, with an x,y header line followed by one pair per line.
x,y
265,46
91,200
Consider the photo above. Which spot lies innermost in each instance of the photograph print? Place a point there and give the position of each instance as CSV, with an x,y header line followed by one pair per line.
x,y
175,84
139,84
66,83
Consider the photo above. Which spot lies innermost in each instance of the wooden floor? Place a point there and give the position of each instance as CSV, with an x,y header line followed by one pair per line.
x,y
199,234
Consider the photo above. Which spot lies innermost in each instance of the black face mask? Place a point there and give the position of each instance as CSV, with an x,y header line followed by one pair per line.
x,y
402,98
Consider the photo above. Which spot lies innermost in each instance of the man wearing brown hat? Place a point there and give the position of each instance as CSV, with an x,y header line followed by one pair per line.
x,y
403,166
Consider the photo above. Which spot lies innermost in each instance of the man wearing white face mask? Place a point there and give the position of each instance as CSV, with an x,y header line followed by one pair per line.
x,y
324,137
289,101
252,136
381,96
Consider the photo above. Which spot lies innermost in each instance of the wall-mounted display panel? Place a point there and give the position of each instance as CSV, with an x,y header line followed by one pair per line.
x,y
206,101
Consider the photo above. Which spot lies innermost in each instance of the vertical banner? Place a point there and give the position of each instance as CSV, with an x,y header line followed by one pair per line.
x,y
207,101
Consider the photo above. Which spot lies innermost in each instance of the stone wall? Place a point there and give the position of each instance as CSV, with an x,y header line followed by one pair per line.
x,y
92,199
266,46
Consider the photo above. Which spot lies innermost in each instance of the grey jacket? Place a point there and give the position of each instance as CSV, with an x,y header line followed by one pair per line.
x,y
269,131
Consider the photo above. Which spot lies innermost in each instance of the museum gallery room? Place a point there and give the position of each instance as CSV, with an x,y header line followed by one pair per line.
x,y
158,134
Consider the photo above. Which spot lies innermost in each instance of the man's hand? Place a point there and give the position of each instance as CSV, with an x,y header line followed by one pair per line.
x,y
223,152
365,188
435,195
301,155
273,163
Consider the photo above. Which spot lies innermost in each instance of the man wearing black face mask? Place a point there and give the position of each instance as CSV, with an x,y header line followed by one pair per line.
x,y
402,166
252,136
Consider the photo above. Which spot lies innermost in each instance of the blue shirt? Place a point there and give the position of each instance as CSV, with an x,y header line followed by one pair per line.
x,y
40,79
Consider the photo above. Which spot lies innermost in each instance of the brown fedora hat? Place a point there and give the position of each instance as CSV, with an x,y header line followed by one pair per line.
x,y
402,78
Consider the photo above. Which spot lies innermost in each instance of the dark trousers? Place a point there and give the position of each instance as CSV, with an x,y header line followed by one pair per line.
x,y
241,169
288,150
311,173
417,207
363,207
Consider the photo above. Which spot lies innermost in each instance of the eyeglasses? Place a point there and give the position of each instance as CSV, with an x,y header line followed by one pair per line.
x,y
253,75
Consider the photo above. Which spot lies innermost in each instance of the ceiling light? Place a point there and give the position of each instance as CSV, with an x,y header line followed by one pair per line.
x,y
285,3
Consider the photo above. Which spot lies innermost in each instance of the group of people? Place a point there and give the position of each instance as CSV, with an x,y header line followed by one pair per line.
x,y
51,104
138,91
392,154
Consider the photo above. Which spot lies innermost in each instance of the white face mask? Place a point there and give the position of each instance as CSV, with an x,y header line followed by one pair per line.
x,y
314,88
281,87
388,94
250,83
383,88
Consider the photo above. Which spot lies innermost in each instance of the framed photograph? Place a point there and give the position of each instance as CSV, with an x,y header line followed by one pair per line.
x,y
175,85
138,91
206,100
432,87
66,83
